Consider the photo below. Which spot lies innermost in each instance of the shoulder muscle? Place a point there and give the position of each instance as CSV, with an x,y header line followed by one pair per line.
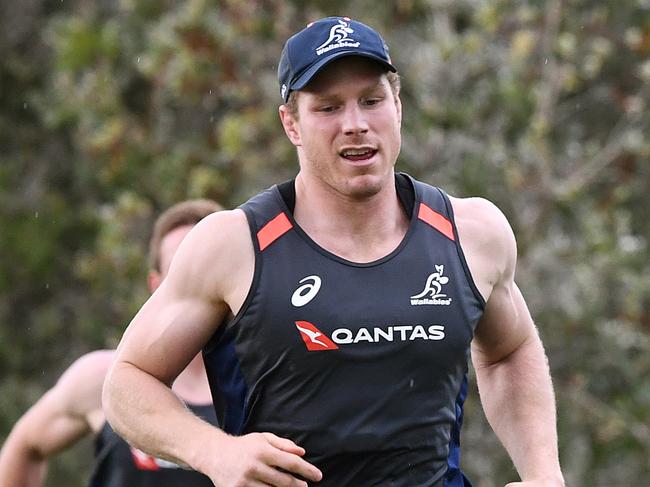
x,y
487,240
215,259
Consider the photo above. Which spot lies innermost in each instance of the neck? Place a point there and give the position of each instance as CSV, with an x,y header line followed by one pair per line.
x,y
359,229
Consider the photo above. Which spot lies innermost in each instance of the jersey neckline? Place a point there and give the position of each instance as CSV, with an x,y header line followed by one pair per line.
x,y
407,194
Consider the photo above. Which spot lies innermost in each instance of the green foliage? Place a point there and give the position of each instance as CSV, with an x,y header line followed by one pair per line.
x,y
111,111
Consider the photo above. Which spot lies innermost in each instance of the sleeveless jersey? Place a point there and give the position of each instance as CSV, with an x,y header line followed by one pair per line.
x,y
117,464
363,365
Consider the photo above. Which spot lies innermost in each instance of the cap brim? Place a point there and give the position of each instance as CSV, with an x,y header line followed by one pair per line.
x,y
309,74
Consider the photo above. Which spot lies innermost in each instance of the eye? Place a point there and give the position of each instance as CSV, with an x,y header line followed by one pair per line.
x,y
371,101
326,108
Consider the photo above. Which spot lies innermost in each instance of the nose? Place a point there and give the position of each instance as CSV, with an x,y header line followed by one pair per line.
x,y
354,120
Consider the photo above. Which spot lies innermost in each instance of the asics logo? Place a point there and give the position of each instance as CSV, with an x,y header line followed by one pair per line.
x,y
307,291
432,292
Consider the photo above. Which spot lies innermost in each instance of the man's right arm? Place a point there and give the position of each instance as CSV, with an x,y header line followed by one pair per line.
x,y
208,280
55,422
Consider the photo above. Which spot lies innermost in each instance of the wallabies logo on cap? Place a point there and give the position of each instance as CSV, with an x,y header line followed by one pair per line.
x,y
338,38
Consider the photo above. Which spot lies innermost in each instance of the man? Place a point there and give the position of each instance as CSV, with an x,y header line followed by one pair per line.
x,y
336,311
72,408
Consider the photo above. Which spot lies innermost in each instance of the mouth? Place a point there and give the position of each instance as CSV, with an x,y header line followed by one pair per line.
x,y
358,155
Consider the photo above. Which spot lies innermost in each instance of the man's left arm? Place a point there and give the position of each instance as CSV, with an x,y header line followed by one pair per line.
x,y
516,389
511,366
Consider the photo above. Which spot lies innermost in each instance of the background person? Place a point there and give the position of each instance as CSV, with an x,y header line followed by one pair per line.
x,y
72,408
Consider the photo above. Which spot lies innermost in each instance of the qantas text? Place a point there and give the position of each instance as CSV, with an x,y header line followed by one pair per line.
x,y
401,333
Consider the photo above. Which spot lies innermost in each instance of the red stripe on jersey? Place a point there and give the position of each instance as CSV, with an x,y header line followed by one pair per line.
x,y
436,220
273,230
143,461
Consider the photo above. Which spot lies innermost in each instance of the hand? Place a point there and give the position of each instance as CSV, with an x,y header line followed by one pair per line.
x,y
261,459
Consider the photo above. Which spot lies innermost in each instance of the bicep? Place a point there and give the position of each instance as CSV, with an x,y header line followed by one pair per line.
x,y
506,326
168,331
491,251
62,415
49,426
204,283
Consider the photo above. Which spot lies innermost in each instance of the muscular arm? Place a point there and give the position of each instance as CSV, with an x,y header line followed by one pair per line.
x,y
209,278
58,420
516,390
138,399
511,367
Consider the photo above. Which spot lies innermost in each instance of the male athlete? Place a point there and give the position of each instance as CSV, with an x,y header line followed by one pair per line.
x,y
72,408
337,311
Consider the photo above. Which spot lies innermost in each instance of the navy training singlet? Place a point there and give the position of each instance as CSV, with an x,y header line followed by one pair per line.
x,y
117,464
363,365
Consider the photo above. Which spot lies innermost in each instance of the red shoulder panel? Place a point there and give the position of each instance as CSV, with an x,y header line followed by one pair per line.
x,y
273,230
436,220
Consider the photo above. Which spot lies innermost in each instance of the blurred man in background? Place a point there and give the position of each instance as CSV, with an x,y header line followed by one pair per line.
x,y
72,408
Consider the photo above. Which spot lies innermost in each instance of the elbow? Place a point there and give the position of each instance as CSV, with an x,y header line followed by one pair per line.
x,y
118,393
19,448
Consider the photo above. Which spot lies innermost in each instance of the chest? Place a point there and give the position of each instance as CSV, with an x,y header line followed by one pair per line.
x,y
306,302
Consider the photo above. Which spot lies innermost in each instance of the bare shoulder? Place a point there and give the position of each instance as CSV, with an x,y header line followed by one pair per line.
x,y
220,228
487,240
479,217
216,259
80,385
88,368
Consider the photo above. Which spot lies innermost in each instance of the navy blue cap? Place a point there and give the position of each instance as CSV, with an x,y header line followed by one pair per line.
x,y
320,43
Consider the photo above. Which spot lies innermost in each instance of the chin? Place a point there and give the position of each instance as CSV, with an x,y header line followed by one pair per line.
x,y
365,186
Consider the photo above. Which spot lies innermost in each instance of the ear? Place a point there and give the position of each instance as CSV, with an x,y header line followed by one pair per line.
x,y
398,105
153,280
290,125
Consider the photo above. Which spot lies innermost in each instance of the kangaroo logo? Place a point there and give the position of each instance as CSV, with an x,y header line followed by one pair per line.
x,y
338,38
432,292
314,339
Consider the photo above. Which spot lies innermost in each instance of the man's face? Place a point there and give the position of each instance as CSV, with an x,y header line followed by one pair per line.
x,y
347,128
168,246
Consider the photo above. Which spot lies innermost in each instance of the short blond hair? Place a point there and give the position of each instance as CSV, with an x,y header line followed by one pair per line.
x,y
188,212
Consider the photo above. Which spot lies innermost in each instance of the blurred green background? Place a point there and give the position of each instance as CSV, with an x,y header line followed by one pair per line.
x,y
113,110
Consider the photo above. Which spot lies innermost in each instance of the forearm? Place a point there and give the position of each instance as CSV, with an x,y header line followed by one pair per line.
x,y
21,466
152,418
518,399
